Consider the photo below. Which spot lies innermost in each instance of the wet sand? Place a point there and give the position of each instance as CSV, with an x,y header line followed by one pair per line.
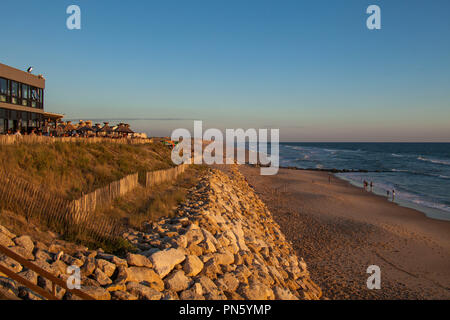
x,y
340,230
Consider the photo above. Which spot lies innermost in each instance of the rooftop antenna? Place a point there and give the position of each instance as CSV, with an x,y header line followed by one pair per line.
x,y
30,69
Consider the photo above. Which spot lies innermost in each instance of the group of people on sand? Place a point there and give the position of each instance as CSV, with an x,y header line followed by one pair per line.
x,y
393,194
366,185
388,193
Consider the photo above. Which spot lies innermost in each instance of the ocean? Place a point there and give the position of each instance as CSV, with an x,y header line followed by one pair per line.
x,y
418,172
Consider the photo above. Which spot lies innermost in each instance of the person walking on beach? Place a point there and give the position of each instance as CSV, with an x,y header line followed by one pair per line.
x,y
387,193
371,186
393,195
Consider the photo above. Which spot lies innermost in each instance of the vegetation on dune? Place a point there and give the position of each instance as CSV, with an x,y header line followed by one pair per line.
x,y
70,169
151,204
131,210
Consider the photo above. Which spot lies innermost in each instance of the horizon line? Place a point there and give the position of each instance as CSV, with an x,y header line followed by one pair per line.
x,y
365,141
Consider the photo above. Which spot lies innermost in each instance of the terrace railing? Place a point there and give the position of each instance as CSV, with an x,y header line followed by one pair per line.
x,y
41,272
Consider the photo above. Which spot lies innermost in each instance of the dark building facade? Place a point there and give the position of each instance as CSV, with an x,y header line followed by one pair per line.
x,y
21,100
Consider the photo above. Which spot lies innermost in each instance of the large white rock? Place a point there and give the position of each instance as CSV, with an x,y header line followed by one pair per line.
x,y
5,240
107,267
283,294
229,281
257,291
138,260
165,260
101,277
177,281
142,274
194,235
239,233
25,242
210,237
97,293
193,265
21,251
143,292
224,258
6,232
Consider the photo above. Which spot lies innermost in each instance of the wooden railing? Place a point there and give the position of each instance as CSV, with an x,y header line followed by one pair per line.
x,y
41,272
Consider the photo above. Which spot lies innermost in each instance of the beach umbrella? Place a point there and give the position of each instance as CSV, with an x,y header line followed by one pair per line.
x,y
123,128
85,129
106,128
69,127
97,127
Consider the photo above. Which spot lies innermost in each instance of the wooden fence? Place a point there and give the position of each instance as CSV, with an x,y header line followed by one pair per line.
x,y
61,215
105,195
12,139
89,202
153,178
75,217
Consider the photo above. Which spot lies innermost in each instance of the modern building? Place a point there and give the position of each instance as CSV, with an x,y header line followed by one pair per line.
x,y
21,100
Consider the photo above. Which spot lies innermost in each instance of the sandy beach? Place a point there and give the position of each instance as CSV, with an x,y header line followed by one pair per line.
x,y
340,230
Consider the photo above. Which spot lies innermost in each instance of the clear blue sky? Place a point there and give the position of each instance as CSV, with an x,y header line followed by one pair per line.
x,y
310,68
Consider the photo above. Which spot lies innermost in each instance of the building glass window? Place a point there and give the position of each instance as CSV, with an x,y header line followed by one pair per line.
x,y
34,97
14,92
34,93
4,90
18,93
25,94
2,121
41,98
21,94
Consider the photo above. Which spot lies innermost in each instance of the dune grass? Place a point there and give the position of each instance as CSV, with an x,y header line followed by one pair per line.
x,y
70,169
151,204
